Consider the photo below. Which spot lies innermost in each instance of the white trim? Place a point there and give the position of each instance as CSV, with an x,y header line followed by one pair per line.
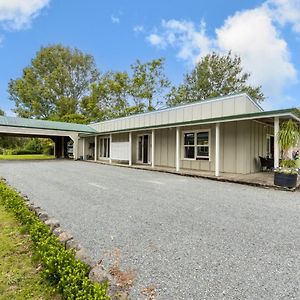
x,y
203,158
110,145
177,149
217,150
276,145
96,148
152,148
130,149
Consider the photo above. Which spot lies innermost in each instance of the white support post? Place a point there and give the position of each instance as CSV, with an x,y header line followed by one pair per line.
x,y
54,150
110,142
276,144
83,149
96,149
177,149
153,148
75,148
217,150
63,147
130,149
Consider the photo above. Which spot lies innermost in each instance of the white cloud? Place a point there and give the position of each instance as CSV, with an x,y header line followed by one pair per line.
x,y
114,19
156,40
264,53
138,29
285,12
253,34
18,14
191,40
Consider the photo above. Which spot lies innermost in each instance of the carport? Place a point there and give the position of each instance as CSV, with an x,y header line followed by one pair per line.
x,y
59,132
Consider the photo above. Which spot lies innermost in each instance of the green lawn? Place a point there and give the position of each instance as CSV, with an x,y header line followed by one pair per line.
x,y
26,156
19,276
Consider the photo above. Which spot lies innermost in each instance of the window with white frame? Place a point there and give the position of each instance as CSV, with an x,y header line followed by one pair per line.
x,y
196,145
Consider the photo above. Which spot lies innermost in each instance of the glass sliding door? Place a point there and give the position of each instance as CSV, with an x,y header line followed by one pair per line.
x,y
105,147
143,149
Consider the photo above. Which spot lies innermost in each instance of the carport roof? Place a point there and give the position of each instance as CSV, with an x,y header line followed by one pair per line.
x,y
44,124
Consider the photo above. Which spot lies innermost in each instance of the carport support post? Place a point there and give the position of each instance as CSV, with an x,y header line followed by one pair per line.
x,y
276,144
177,149
110,141
217,151
95,149
153,148
83,149
63,147
130,149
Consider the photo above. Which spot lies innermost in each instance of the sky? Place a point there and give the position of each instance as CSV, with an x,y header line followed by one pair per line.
x,y
266,34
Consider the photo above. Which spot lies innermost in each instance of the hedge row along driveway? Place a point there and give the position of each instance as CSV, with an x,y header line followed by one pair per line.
x,y
187,238
59,266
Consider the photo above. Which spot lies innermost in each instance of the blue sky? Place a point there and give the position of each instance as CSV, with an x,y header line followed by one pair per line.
x,y
265,33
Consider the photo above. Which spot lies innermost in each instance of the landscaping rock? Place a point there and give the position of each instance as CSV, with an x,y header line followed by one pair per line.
x,y
72,244
57,231
64,237
43,215
98,274
52,224
85,258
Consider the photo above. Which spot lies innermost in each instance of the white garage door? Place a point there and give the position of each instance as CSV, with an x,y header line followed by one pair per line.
x,y
120,150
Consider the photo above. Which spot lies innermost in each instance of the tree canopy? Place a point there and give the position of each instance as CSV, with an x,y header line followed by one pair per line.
x,y
54,84
118,94
215,75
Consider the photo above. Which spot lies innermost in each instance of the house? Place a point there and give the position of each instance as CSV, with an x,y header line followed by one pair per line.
x,y
225,134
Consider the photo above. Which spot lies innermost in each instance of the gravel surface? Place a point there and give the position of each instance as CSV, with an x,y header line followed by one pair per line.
x,y
189,238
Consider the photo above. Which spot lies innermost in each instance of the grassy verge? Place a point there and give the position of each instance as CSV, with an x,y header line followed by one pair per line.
x,y
26,157
19,276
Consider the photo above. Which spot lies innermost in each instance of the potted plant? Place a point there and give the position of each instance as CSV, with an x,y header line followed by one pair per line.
x,y
288,137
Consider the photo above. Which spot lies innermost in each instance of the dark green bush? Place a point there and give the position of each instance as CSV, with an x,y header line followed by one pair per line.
x,y
23,151
59,265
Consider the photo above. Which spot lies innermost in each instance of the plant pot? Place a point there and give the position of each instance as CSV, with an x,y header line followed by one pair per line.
x,y
285,180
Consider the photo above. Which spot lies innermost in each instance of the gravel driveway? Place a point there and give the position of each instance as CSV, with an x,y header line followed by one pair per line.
x,y
189,238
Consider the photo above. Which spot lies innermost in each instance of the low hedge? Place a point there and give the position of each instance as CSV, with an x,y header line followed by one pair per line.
x,y
59,265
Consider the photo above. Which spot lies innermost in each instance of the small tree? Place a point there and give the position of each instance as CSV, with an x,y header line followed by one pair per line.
x,y
288,137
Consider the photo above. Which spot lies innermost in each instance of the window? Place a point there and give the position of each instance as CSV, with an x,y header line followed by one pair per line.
x,y
196,145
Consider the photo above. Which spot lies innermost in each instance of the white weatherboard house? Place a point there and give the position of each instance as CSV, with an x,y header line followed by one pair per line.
x,y
225,134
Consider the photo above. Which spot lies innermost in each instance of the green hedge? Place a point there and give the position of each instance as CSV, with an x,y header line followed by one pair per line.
x,y
24,151
59,265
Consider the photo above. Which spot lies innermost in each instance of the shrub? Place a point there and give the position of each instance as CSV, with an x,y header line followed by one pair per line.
x,y
22,151
59,265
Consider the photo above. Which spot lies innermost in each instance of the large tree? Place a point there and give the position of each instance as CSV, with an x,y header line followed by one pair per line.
x,y
215,75
108,98
54,84
148,84
118,94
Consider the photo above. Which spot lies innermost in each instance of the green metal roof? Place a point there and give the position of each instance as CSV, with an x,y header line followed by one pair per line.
x,y
295,112
43,124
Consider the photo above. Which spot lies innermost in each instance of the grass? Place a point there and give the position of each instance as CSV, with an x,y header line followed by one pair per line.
x,y
26,157
19,275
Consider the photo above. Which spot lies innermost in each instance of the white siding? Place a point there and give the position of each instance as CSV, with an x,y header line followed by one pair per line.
x,y
216,108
